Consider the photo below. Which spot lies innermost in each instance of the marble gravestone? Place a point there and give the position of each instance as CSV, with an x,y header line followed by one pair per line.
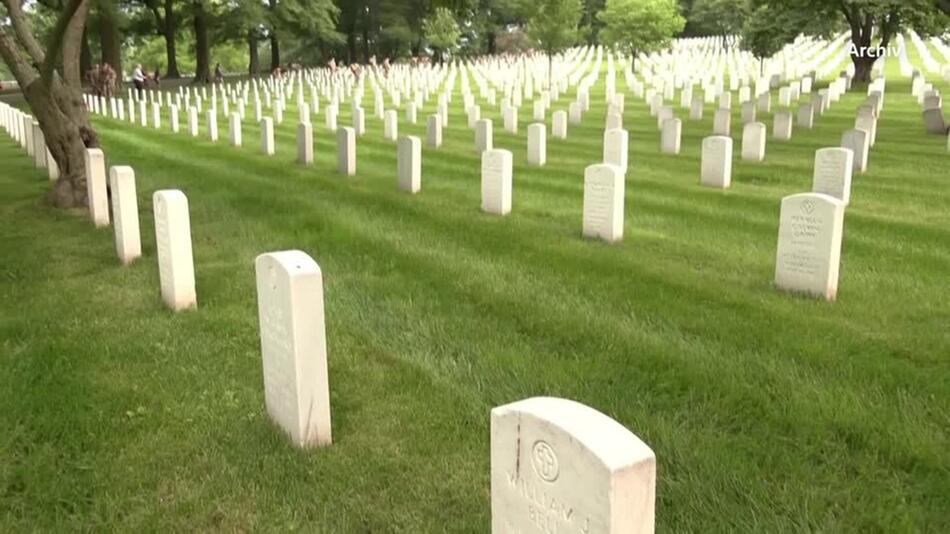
x,y
782,125
670,136
558,466
172,117
409,163
346,151
806,116
496,181
722,121
808,255
193,121
603,202
212,121
615,148
390,125
716,167
832,174
234,129
753,141
173,240
559,124
434,131
537,144
305,143
483,135
857,141
267,136
290,310
97,194
125,212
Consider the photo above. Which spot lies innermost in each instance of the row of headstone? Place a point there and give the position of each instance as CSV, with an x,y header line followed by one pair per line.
x,y
556,465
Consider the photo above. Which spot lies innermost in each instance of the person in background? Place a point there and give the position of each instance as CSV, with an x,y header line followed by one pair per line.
x,y
108,80
218,73
138,79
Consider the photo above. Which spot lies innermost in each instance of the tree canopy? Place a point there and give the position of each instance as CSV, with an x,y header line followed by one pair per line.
x,y
635,26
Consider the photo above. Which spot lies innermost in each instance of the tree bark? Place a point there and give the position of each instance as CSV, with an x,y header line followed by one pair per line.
x,y
254,63
274,51
169,29
85,54
73,42
109,39
202,46
56,106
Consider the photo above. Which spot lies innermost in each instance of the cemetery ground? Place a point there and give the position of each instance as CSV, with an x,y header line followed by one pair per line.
x,y
767,411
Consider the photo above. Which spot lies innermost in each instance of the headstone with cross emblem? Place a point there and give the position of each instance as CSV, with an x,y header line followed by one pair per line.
x,y
560,466
808,255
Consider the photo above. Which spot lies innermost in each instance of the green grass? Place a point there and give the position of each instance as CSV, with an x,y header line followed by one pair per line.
x,y
768,412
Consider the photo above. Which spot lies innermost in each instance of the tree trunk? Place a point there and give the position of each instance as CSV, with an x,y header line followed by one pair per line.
x,y
862,69
169,30
202,47
73,41
57,107
350,47
254,63
274,51
550,70
85,54
109,39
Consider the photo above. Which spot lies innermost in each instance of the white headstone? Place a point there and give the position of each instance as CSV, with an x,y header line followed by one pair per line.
x,y
558,466
267,136
293,345
782,125
173,240
832,174
390,125
125,211
537,144
409,163
857,141
305,143
434,131
496,181
808,255
234,128
717,162
722,122
603,202
615,148
97,194
483,135
670,136
559,124
346,151
753,141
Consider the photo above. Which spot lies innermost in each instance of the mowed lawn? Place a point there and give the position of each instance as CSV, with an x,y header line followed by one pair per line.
x,y
768,412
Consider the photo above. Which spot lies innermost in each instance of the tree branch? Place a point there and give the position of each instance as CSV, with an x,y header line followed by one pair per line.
x,y
24,33
56,40
10,52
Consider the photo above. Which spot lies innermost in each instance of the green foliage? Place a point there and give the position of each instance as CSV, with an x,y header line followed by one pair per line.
x,y
149,51
554,25
441,30
766,31
718,17
635,26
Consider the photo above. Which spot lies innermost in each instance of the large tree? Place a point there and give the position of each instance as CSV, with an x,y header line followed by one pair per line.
x,y
441,31
635,26
763,37
721,18
56,105
166,25
554,27
873,23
